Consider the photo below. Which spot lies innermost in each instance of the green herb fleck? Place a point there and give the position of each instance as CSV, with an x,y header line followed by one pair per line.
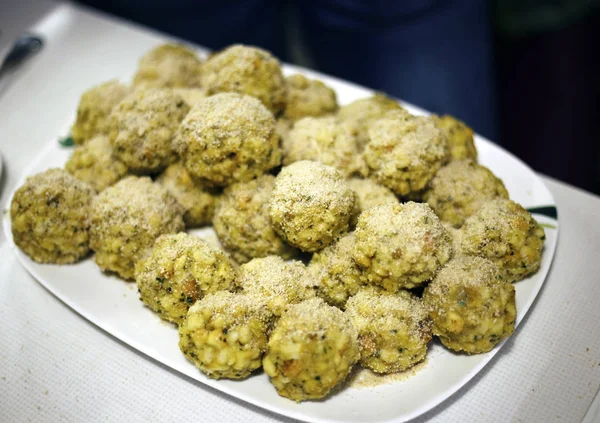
x,y
66,141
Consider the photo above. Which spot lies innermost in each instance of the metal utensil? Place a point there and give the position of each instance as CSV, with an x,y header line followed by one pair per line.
x,y
25,46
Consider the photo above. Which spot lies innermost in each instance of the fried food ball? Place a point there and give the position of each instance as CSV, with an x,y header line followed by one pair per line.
x,y
228,138
362,113
308,97
369,193
242,221
143,125
471,305
180,270
337,275
401,245
277,282
198,202
325,140
93,162
190,95
405,152
312,349
225,334
311,205
50,217
459,136
168,66
393,329
504,232
127,218
460,188
246,70
94,109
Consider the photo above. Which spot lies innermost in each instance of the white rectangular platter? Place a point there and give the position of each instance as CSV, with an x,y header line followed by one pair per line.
x,y
113,305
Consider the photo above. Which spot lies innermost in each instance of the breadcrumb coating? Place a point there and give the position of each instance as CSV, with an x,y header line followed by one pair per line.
x,y
228,138
50,217
471,304
311,205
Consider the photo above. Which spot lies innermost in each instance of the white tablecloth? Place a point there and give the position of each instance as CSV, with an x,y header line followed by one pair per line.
x,y
56,366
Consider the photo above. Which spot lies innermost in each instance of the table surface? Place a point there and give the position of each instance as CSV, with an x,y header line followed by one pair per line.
x,y
56,366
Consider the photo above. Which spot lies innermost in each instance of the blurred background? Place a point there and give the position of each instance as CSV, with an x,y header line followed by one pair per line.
x,y
523,73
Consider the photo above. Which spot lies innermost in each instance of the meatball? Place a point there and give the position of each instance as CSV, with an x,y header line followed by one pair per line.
x,y
504,232
405,152
361,114
246,70
326,140
459,189
459,137
312,349
393,329
225,334
337,275
471,305
127,218
142,129
277,282
50,217
228,138
180,270
242,221
308,97
198,202
401,245
311,205
94,109
369,193
168,66
190,95
94,163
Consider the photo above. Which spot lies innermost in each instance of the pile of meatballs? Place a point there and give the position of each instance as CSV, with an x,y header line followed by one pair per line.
x,y
348,235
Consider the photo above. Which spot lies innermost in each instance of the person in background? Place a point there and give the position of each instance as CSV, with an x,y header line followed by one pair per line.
x,y
523,73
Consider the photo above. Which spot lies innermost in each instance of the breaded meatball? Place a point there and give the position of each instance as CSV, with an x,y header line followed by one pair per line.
x,y
168,66
472,306
393,329
311,205
312,349
180,270
242,221
93,162
143,126
277,282
405,152
459,137
198,202
94,109
225,334
369,193
50,217
308,97
127,218
401,245
337,275
504,232
460,188
326,140
190,95
362,113
228,138
246,70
